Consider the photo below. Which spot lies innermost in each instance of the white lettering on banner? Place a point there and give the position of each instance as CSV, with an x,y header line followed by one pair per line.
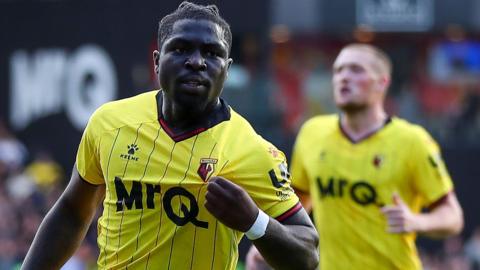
x,y
51,79
395,15
35,85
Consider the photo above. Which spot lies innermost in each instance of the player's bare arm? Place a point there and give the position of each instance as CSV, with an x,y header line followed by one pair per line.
x,y
291,244
254,260
445,219
65,225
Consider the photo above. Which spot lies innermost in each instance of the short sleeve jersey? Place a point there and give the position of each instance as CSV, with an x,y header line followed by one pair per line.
x,y
154,215
349,182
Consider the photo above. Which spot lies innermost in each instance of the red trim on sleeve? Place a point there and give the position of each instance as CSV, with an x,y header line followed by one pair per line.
x,y
300,190
290,212
439,201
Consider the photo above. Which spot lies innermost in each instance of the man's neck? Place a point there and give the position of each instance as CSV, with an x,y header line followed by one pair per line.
x,y
179,118
360,124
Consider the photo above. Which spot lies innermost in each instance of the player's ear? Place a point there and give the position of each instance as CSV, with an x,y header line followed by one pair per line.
x,y
386,81
383,82
229,64
156,60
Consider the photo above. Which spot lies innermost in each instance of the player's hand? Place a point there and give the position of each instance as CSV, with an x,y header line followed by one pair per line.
x,y
230,204
255,261
399,217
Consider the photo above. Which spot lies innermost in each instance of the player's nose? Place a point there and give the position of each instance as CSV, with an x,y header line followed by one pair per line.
x,y
196,61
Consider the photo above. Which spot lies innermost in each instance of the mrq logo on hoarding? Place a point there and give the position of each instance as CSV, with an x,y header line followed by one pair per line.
x,y
50,81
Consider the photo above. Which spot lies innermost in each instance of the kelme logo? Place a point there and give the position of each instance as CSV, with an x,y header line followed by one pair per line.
x,y
131,150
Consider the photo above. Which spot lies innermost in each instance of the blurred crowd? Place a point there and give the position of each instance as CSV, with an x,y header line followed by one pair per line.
x,y
453,254
30,183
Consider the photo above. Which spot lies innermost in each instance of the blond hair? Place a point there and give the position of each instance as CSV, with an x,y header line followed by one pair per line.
x,y
384,66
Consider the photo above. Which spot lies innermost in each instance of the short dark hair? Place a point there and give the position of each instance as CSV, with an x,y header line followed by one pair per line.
x,y
187,10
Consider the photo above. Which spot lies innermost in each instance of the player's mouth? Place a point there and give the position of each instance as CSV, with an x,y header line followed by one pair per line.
x,y
344,90
194,84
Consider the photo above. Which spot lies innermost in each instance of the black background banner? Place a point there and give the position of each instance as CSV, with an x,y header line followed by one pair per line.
x,y
45,40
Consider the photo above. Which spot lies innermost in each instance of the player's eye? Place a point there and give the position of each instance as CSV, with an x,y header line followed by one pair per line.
x,y
356,69
179,50
211,53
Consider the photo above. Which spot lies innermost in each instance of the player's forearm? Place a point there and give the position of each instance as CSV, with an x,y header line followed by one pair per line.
x,y
59,235
443,221
289,246
436,226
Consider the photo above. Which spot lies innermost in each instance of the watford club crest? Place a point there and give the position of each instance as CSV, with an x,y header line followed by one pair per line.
x,y
207,167
378,161
273,151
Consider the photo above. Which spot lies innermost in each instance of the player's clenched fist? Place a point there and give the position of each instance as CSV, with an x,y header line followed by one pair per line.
x,y
399,217
230,204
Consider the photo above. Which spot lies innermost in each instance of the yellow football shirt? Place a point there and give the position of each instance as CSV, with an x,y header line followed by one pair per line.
x,y
349,182
154,215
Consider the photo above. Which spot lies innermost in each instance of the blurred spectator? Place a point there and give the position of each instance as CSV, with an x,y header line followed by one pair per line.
x,y
20,186
12,152
8,252
466,123
44,171
472,249
25,197
83,259
289,78
454,257
430,261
